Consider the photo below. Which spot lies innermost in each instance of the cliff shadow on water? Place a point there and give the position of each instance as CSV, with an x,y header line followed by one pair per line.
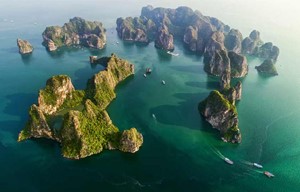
x,y
19,104
185,113
26,59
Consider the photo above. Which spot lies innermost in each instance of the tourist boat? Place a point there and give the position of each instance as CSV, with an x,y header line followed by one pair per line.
x,y
154,117
268,174
145,75
257,165
174,54
228,161
163,82
148,70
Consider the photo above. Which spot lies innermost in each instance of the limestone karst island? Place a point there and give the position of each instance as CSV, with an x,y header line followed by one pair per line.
x,y
77,119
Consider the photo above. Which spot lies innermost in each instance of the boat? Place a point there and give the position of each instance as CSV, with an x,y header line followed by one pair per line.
x,y
163,82
268,174
228,161
257,165
145,75
154,117
171,53
148,70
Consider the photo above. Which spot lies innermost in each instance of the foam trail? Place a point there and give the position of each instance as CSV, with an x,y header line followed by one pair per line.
x,y
218,153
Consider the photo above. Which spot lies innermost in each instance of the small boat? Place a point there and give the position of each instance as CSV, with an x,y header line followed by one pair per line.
x,y
163,82
117,42
228,161
171,53
145,75
154,117
268,174
257,165
148,70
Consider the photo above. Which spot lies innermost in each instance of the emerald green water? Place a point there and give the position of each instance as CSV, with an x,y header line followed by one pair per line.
x,y
180,152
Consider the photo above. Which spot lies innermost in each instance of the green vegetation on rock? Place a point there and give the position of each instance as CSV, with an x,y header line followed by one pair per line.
x,y
76,32
86,127
222,115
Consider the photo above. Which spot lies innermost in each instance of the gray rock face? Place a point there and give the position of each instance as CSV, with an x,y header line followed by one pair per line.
x,y
37,125
267,67
238,89
225,80
233,41
164,39
215,62
76,32
250,44
268,51
58,89
190,38
134,29
216,59
238,64
222,115
24,46
130,141
233,94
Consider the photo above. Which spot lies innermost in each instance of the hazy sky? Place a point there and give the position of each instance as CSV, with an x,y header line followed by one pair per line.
x,y
278,16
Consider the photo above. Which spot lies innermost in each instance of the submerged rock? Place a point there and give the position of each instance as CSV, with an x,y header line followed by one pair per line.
x,y
76,32
85,126
222,115
267,67
24,46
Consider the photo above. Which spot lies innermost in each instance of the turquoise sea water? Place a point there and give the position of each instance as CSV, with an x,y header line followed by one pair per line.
x,y
180,152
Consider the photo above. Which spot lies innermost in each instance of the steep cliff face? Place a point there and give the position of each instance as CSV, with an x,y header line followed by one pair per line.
x,y
100,88
267,67
86,127
164,39
36,126
222,115
57,90
216,59
76,32
86,132
130,140
24,46
225,79
268,51
137,29
250,44
233,41
238,64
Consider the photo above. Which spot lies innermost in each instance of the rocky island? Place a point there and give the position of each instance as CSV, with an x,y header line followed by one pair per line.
x,y
76,32
222,47
267,67
224,52
220,111
24,46
77,119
